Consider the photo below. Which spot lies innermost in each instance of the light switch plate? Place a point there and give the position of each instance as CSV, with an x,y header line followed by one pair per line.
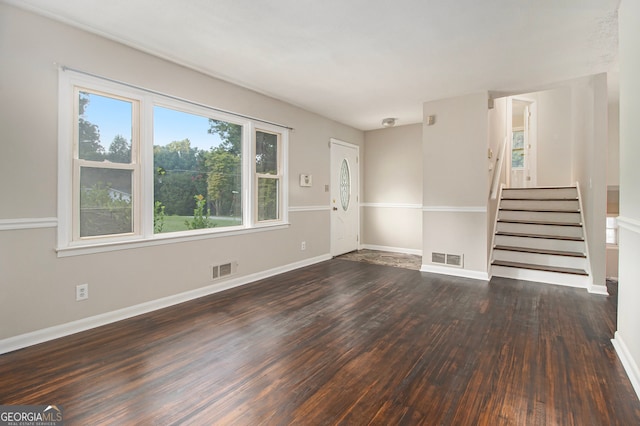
x,y
306,180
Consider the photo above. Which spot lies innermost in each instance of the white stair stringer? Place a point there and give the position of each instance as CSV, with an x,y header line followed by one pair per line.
x,y
539,236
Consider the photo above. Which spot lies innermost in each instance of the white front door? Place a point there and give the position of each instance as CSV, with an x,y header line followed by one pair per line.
x,y
345,194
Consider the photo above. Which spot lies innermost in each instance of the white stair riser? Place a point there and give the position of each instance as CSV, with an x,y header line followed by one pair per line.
x,y
525,228
540,216
541,243
540,193
541,259
541,276
540,205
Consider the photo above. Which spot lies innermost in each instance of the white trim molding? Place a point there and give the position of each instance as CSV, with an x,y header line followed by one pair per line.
x,y
598,289
455,209
393,205
628,363
173,237
55,332
309,208
629,224
401,250
455,272
28,223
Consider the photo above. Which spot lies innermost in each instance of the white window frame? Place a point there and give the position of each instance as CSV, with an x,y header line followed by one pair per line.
x,y
133,166
70,244
246,179
513,132
279,176
612,228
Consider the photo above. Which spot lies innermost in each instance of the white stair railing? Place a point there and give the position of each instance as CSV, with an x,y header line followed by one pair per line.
x,y
497,171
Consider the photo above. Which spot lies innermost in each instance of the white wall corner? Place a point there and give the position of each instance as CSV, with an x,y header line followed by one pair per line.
x,y
628,362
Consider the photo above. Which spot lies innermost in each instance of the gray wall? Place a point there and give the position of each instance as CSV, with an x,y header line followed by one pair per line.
x,y
554,137
38,287
456,183
392,208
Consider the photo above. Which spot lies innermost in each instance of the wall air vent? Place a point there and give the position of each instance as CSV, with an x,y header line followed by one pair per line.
x,y
454,260
438,257
223,270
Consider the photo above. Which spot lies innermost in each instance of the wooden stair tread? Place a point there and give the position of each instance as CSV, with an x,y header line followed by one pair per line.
x,y
549,237
541,251
539,222
539,188
539,210
545,268
540,199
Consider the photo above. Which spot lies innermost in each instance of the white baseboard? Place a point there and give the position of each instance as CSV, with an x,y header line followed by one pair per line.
x,y
55,332
630,366
598,289
456,272
392,249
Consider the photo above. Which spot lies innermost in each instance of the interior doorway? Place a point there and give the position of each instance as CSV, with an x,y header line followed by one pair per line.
x,y
522,135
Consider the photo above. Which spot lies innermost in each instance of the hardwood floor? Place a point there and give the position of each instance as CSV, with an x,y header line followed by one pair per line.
x,y
342,342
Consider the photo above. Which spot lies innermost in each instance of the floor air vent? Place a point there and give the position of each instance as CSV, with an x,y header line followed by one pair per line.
x,y
438,258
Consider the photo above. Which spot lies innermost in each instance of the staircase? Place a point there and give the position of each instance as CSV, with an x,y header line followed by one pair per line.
x,y
539,237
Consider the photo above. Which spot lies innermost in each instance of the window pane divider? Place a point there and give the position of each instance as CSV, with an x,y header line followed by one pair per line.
x,y
106,165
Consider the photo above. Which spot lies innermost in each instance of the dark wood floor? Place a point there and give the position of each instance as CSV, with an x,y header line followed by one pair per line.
x,y
342,342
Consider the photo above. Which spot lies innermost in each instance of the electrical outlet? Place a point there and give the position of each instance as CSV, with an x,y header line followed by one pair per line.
x,y
303,245
82,292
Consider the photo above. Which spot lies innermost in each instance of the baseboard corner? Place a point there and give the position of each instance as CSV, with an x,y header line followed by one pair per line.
x,y
455,272
598,289
629,364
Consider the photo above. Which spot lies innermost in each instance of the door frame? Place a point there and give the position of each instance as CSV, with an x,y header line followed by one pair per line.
x,y
333,182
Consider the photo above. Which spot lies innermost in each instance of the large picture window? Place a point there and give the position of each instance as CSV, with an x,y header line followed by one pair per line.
x,y
137,166
197,164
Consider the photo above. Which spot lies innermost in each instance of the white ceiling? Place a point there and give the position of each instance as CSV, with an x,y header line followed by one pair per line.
x,y
359,61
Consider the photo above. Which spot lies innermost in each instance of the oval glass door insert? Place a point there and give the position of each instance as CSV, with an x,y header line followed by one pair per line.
x,y
345,185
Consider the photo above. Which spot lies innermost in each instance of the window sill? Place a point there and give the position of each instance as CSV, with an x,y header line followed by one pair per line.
x,y
161,239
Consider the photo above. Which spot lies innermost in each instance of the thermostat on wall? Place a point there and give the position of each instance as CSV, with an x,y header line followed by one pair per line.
x,y
305,180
